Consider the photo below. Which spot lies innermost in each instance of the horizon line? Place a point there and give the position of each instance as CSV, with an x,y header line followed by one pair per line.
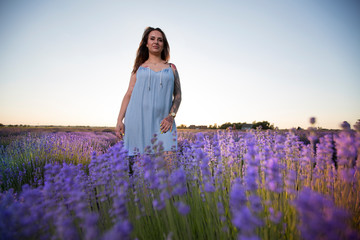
x,y
187,126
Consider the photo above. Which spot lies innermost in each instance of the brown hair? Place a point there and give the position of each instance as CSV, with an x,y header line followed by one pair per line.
x,y
142,53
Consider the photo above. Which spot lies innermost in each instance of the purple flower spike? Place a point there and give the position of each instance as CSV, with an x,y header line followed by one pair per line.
x,y
255,203
178,182
90,226
245,220
121,230
312,120
275,217
183,208
320,218
237,196
209,187
345,125
158,205
246,237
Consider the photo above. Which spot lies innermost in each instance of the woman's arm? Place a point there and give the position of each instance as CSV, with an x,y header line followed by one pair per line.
x,y
120,128
167,123
177,91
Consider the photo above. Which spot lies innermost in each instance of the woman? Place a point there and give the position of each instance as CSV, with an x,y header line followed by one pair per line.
x,y
153,97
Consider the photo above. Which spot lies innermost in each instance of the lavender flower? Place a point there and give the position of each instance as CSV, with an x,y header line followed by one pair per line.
x,y
320,218
158,205
178,182
253,161
312,120
345,125
246,221
121,230
275,217
237,195
182,208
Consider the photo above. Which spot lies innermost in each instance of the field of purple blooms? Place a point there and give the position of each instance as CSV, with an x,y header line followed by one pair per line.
x,y
218,185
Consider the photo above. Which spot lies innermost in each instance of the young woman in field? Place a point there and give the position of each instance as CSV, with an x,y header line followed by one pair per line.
x,y
153,97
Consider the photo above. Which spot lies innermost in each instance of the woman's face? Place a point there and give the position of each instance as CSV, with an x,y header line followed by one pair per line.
x,y
155,42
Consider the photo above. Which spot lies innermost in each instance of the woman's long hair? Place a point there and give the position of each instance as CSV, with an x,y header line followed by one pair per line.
x,y
142,53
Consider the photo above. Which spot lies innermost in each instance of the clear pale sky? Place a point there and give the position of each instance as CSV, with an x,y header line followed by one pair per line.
x,y
282,61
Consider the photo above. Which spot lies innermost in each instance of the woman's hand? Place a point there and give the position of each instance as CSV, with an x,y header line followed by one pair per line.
x,y
120,130
166,124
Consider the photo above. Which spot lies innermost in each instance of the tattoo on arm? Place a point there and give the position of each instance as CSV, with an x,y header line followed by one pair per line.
x,y
169,119
177,92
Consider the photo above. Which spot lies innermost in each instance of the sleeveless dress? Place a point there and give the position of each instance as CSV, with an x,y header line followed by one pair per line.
x,y
150,103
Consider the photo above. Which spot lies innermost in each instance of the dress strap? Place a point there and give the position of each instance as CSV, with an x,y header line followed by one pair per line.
x,y
149,77
160,78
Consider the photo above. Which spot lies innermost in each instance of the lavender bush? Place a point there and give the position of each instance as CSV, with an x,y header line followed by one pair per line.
x,y
22,161
218,185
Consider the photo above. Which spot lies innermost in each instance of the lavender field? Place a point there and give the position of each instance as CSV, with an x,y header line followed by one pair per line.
x,y
218,185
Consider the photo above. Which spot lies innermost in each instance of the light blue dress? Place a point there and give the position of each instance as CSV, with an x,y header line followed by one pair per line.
x,y
150,103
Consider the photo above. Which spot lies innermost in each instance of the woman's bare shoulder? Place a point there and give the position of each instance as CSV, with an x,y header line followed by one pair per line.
x,y
173,67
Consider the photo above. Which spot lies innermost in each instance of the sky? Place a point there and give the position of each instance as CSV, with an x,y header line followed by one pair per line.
x,y
69,62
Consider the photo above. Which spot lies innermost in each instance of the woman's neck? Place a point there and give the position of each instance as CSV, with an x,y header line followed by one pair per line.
x,y
154,59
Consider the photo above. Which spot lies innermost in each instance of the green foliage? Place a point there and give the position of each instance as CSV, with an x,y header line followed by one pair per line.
x,y
215,126
237,125
265,125
226,125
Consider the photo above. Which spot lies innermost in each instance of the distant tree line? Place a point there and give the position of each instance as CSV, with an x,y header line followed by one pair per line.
x,y
254,125
16,125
